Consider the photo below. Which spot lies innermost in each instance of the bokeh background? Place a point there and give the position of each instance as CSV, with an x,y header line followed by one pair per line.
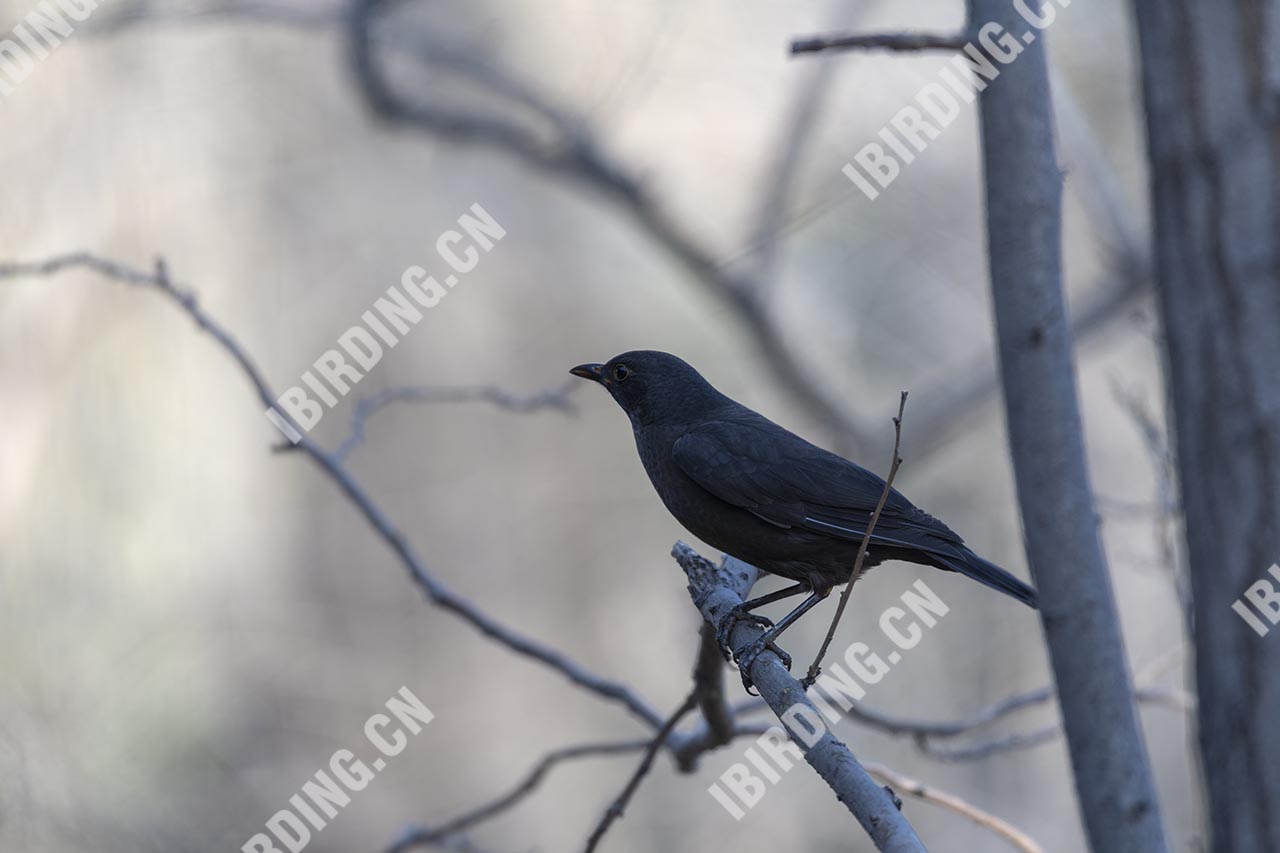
x,y
190,624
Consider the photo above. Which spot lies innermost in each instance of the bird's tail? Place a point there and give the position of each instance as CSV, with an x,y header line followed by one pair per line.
x,y
989,574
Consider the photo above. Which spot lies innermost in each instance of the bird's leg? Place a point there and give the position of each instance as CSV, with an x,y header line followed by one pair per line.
x,y
742,613
768,639
785,592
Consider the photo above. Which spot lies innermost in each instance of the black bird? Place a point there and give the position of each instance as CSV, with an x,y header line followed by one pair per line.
x,y
745,485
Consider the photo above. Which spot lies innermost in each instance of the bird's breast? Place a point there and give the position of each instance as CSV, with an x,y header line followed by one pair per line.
x,y
722,525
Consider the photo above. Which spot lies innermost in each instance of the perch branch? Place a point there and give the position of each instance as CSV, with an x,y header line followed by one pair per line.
x,y
716,590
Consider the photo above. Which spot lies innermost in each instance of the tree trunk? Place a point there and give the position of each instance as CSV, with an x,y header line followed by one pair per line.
x,y
1211,79
1023,192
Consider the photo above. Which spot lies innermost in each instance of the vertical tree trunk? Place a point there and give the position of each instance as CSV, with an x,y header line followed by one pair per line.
x,y
1023,193
1211,79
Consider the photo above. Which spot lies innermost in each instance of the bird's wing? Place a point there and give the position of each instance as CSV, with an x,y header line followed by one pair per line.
x,y
752,463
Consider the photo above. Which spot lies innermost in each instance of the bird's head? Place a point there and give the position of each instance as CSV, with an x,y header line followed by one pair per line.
x,y
653,386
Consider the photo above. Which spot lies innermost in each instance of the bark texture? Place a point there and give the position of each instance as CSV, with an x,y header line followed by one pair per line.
x,y
1023,195
1211,83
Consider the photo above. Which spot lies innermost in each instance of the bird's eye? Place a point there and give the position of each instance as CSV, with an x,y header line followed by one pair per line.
x,y
621,372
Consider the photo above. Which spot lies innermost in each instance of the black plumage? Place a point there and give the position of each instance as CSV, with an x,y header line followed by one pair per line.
x,y
747,486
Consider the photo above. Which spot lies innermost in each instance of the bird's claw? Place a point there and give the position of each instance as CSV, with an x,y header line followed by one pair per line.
x,y
751,652
731,619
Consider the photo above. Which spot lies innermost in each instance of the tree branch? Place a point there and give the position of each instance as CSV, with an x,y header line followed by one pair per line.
x,y
913,788
435,590
897,42
619,805
424,836
556,399
716,590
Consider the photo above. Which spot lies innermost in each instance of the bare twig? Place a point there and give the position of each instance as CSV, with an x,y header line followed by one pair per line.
x,y
1162,663
815,667
683,748
453,844
989,746
1174,699
422,836
435,590
1163,465
897,42
911,787
924,733
438,54
1102,190
619,805
716,592
555,399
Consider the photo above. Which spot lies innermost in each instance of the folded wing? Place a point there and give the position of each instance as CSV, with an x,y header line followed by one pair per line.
x,y
751,463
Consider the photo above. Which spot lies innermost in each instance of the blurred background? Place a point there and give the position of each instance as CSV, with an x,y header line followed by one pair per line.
x,y
190,623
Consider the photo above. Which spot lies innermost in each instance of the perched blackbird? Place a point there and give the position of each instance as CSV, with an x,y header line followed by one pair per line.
x,y
745,485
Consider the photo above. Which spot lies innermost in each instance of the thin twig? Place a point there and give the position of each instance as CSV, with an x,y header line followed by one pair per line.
x,y
990,746
1163,466
981,718
815,667
1173,698
911,787
556,399
619,805
690,746
897,42
925,732
422,836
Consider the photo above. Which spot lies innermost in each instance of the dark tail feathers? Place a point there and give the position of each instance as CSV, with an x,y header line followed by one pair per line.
x,y
988,574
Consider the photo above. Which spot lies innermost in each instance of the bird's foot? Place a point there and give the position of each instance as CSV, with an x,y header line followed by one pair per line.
x,y
731,619
753,650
